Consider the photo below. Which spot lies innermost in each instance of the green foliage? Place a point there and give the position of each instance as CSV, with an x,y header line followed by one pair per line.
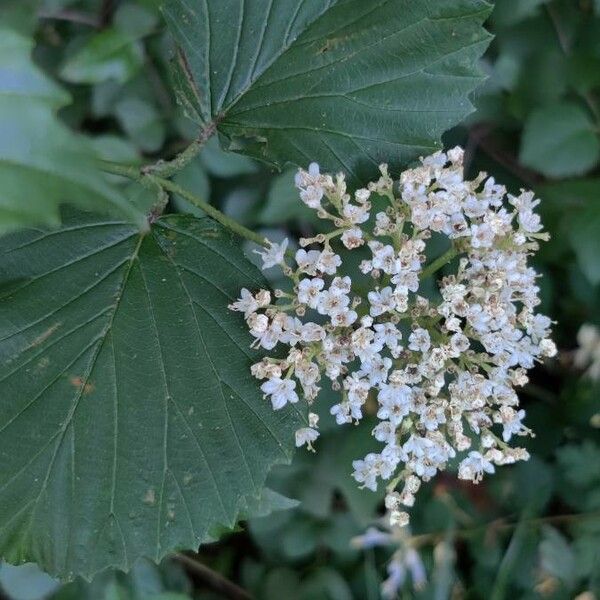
x,y
106,55
282,203
104,382
585,239
42,163
560,141
348,84
345,83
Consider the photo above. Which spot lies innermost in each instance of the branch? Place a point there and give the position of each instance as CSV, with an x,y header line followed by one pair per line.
x,y
503,525
107,11
480,137
168,168
439,262
73,16
215,581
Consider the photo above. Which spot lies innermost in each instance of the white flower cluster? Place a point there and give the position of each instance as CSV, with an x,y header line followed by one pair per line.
x,y
440,373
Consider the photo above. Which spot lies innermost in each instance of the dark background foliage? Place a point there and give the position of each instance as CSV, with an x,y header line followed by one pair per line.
x,y
532,530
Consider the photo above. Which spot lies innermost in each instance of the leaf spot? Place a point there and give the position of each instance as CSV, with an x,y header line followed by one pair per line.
x,y
149,497
40,339
78,382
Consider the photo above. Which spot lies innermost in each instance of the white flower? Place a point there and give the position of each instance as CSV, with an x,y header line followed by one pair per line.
x,y
356,214
371,538
419,340
328,262
312,332
530,221
385,431
384,257
332,303
352,238
281,391
309,291
399,518
341,285
274,255
344,318
246,303
365,471
474,466
511,422
306,435
482,236
307,261
394,402
381,301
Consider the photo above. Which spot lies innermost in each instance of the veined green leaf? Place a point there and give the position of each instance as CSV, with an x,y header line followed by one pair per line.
x,y
110,54
130,423
560,141
42,163
347,83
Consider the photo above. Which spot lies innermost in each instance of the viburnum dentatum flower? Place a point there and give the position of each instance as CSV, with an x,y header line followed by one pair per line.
x,y
439,363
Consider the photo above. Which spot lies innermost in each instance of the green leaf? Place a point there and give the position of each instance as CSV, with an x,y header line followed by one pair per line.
x,y
346,83
266,503
314,479
225,164
560,141
583,233
135,20
26,582
283,203
509,12
580,463
42,163
130,423
325,583
142,122
145,581
19,15
110,54
557,556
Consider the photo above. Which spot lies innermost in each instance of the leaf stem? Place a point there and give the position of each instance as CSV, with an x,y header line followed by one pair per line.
x,y
169,168
144,178
439,262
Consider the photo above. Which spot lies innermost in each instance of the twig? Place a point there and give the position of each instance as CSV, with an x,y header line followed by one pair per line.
x,y
503,525
168,168
439,262
481,138
215,581
73,16
107,11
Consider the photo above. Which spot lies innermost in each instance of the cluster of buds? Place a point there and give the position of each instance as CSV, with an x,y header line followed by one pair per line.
x,y
439,358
